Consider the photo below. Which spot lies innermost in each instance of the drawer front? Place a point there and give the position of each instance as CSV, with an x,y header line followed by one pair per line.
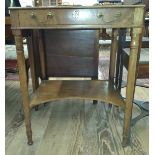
x,y
118,17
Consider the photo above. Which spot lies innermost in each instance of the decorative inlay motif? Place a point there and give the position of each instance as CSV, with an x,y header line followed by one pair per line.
x,y
75,14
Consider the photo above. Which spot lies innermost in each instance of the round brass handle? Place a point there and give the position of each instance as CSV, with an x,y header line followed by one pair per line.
x,y
32,14
100,15
50,14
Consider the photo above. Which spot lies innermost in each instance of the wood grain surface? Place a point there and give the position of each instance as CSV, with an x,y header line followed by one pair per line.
x,y
77,89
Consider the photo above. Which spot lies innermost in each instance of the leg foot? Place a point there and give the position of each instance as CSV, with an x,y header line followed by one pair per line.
x,y
126,141
29,137
30,142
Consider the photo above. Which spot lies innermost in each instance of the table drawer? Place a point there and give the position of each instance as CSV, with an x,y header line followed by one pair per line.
x,y
52,17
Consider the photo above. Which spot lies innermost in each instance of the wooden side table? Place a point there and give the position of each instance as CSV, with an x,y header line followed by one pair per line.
x,y
79,17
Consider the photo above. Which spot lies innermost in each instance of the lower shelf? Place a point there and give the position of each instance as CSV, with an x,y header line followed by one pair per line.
x,y
81,89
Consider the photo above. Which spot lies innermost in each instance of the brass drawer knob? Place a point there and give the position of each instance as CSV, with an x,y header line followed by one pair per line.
x,y
32,14
50,14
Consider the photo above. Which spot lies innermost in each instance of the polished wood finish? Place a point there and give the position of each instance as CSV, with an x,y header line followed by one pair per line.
x,y
42,55
74,16
35,82
23,82
131,80
78,17
36,58
114,48
76,50
87,89
71,18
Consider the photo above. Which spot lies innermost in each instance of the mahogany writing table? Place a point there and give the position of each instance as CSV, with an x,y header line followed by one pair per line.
x,y
79,18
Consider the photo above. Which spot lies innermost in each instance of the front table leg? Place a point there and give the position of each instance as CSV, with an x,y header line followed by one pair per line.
x,y
131,81
23,83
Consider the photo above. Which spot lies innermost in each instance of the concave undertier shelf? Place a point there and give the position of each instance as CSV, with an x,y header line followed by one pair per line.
x,y
83,89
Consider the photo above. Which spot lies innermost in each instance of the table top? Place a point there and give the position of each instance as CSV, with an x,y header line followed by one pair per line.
x,y
78,6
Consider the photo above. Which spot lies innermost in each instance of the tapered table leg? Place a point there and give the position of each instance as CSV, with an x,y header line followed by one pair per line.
x,y
23,83
113,53
131,81
114,49
35,81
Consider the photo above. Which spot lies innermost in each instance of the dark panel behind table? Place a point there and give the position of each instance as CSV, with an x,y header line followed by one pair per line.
x,y
71,53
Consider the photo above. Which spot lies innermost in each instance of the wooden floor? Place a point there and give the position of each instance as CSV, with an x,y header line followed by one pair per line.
x,y
73,127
